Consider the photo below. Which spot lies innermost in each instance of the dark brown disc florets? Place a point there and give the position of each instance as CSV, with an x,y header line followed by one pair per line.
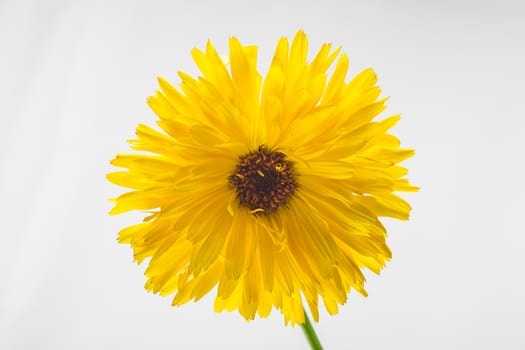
x,y
263,180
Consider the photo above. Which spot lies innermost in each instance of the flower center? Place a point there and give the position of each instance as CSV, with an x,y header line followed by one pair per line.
x,y
263,180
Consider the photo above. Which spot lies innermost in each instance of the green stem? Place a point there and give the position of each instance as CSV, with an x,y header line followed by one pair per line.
x,y
309,331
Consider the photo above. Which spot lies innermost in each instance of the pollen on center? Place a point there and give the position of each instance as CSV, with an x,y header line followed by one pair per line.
x,y
264,180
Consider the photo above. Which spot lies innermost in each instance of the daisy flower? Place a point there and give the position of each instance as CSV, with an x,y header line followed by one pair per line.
x,y
264,190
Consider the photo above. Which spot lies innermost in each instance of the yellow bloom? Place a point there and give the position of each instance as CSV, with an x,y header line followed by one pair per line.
x,y
268,189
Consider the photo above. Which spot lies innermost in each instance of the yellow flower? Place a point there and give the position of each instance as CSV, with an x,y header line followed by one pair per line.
x,y
268,189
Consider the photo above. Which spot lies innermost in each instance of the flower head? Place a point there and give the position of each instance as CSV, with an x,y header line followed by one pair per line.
x,y
267,189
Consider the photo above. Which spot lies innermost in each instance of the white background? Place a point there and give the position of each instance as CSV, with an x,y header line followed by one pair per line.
x,y
74,77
